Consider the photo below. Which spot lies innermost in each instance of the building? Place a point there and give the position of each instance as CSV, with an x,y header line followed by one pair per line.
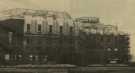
x,y
106,41
51,37
93,25
35,36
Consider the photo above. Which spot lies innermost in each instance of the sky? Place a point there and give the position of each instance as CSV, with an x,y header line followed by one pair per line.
x,y
115,12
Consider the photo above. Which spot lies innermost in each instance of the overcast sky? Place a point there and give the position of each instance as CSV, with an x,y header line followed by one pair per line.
x,y
116,12
110,11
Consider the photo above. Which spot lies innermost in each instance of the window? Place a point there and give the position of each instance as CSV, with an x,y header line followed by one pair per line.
x,y
45,58
71,30
10,34
25,42
7,57
39,41
61,28
50,28
19,56
31,57
113,61
116,49
108,49
28,27
93,31
36,57
39,28
28,41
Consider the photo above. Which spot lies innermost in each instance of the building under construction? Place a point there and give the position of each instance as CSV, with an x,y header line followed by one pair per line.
x,y
51,37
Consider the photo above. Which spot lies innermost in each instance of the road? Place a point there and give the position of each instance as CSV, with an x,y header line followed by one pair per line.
x,y
67,70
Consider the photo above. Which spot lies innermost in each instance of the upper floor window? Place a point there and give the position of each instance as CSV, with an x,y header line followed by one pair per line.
x,y
50,28
93,31
71,30
61,29
10,35
28,27
39,28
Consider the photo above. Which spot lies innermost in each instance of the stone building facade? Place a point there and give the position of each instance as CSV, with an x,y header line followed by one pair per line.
x,y
51,37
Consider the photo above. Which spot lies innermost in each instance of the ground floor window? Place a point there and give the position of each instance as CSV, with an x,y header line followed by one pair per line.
x,y
7,57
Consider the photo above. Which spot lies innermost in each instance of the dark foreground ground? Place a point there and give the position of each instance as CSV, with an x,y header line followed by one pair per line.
x,y
67,69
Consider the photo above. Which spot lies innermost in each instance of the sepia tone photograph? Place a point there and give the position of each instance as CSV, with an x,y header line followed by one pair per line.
x,y
67,36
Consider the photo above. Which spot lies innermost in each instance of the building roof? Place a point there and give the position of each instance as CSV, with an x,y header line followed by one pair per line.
x,y
19,13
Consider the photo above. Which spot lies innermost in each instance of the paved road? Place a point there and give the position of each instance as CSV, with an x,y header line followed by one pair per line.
x,y
65,70
106,68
